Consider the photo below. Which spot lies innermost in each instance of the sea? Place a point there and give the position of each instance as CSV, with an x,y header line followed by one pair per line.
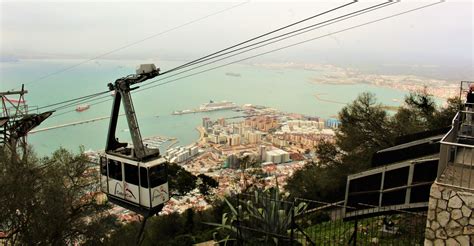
x,y
285,89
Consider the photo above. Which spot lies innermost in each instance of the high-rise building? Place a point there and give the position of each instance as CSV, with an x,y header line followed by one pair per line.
x,y
233,161
233,140
206,123
221,122
254,137
262,152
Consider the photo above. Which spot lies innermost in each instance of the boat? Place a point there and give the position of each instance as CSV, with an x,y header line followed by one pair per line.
x,y
233,74
83,107
206,107
211,106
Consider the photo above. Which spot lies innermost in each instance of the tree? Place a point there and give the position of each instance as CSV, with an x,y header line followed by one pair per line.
x,y
51,201
180,181
444,116
206,183
364,128
421,113
328,153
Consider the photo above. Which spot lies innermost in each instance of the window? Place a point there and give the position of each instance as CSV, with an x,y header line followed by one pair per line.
x,y
103,166
158,175
115,169
131,174
144,177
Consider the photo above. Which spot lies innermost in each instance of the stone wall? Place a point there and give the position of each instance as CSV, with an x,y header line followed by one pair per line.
x,y
450,218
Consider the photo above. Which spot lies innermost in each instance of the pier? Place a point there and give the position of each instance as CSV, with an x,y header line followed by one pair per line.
x,y
69,124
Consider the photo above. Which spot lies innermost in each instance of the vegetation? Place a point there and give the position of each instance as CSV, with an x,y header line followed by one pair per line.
x,y
365,129
265,211
50,201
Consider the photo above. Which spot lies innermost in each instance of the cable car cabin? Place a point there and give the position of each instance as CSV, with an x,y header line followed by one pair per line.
x,y
135,177
140,186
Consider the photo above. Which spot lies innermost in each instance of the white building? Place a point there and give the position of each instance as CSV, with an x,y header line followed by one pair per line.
x,y
277,156
181,154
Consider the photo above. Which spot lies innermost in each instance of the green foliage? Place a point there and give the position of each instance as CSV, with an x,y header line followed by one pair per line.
x,y
173,229
265,211
180,181
51,201
420,113
365,129
320,183
206,184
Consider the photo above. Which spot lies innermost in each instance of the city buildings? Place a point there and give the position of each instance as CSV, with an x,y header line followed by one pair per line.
x,y
180,154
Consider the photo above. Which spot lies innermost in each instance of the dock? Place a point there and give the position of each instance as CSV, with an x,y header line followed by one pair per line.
x,y
69,124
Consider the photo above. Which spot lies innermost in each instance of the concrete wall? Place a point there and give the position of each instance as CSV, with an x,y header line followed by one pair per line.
x,y
450,219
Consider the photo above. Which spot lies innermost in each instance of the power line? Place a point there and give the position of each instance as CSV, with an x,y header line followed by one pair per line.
x,y
260,36
84,98
285,47
296,44
73,100
295,33
134,43
351,15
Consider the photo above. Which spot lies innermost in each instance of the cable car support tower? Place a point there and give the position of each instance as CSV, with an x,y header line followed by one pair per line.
x,y
16,120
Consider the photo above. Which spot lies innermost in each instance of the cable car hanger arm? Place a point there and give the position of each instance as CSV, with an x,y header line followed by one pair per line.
x,y
122,95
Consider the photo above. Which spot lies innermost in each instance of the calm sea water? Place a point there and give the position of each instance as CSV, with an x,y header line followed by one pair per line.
x,y
287,90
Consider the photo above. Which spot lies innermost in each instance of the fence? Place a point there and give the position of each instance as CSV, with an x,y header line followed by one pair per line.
x,y
456,152
270,220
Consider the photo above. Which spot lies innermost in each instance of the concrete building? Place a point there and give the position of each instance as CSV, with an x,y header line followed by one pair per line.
x,y
232,161
221,122
207,123
217,138
262,150
253,137
277,141
277,156
181,154
332,123
233,140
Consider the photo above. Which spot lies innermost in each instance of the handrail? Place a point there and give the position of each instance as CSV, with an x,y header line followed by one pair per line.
x,y
453,167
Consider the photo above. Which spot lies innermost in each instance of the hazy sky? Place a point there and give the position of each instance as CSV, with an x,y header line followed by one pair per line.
x,y
439,35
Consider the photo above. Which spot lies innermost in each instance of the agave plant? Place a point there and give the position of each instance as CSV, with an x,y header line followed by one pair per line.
x,y
260,218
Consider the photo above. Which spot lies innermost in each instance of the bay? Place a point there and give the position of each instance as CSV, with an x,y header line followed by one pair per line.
x,y
285,89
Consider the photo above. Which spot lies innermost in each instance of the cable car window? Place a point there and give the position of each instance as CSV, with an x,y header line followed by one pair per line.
x,y
157,175
103,166
115,169
131,174
144,177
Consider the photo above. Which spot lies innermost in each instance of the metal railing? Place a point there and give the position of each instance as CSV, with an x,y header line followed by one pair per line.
x,y
456,165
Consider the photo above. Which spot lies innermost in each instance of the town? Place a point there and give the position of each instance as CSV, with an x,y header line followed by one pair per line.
x,y
262,150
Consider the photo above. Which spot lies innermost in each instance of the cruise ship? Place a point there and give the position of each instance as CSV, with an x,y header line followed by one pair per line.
x,y
210,106
217,105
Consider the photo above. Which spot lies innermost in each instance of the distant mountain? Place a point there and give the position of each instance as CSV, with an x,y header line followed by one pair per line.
x,y
9,59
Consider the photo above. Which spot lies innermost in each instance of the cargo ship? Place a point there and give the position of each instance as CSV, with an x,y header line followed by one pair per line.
x,y
83,107
210,106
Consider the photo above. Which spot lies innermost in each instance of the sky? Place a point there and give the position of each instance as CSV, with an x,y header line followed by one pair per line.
x,y
439,36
